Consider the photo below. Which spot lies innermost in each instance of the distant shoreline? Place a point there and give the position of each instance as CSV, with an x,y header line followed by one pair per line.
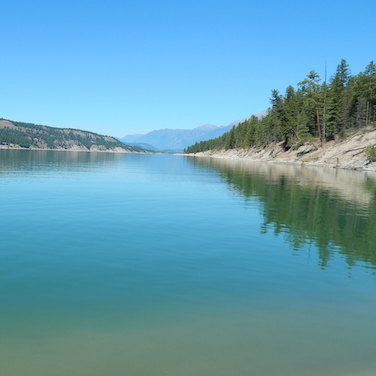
x,y
117,151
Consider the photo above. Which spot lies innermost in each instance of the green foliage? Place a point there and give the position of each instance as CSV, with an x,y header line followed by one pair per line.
x,y
230,139
314,110
10,136
371,153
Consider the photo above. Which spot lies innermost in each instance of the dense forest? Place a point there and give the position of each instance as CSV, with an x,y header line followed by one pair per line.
x,y
315,110
29,135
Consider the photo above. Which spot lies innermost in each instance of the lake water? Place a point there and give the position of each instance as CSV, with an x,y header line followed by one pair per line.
x,y
166,265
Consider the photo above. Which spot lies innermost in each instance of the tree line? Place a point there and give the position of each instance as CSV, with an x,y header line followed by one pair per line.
x,y
315,110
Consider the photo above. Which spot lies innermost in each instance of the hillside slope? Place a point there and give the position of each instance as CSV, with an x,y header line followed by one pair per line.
x,y
15,135
347,153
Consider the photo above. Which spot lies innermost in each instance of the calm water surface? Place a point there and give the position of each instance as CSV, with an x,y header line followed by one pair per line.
x,y
165,265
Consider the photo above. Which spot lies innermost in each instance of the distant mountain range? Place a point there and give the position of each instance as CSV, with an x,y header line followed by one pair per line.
x,y
17,135
179,139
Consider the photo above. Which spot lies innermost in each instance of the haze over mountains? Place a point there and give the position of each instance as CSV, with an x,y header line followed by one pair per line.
x,y
179,139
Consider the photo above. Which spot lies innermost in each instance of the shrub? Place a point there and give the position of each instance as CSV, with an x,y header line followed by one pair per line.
x,y
371,153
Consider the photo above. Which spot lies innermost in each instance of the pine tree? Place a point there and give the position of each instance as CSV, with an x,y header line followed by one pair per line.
x,y
312,99
338,100
230,139
289,115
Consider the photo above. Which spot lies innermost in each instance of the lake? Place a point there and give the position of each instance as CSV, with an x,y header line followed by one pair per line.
x,y
127,264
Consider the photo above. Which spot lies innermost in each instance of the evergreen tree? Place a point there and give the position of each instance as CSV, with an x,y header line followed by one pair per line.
x,y
312,99
338,100
230,139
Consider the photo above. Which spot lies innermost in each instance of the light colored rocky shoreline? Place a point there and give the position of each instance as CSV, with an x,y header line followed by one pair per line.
x,y
75,148
348,153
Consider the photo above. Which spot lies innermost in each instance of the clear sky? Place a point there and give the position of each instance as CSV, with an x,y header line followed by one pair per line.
x,y
120,67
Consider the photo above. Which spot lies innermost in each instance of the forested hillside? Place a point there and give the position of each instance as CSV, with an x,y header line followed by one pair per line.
x,y
15,134
314,110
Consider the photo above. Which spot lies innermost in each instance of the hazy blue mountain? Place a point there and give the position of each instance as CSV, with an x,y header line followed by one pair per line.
x,y
260,115
142,145
176,139
179,139
133,138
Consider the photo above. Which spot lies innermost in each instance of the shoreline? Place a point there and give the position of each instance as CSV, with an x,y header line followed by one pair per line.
x,y
346,154
114,151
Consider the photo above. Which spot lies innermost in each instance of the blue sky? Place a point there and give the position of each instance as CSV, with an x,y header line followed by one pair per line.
x,y
120,67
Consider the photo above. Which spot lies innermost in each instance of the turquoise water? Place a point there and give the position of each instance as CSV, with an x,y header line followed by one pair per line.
x,y
166,265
